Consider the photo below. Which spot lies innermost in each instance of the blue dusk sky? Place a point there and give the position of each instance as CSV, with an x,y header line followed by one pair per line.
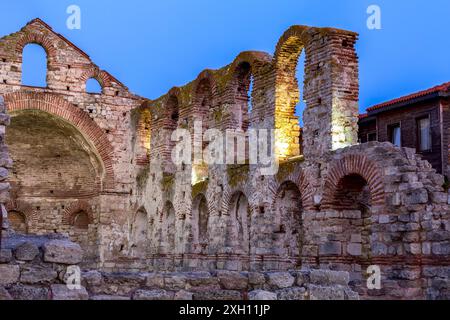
x,y
153,45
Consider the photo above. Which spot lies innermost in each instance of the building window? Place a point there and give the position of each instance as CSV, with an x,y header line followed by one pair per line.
x,y
424,134
395,134
372,137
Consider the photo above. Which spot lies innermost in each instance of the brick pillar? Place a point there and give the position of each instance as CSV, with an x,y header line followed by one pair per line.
x,y
331,91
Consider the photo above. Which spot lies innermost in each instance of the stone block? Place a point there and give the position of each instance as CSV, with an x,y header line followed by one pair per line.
x,y
183,296
61,292
230,280
29,293
262,295
36,274
26,252
109,298
63,252
280,280
9,274
292,294
155,281
218,295
5,256
151,295
326,293
4,295
331,248
328,278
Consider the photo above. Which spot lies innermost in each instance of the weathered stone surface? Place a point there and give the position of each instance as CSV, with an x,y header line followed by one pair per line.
x,y
280,280
184,295
152,295
26,252
262,295
326,293
232,280
292,294
155,281
33,275
9,274
4,294
92,279
325,277
175,281
5,256
218,295
109,298
64,252
61,292
24,292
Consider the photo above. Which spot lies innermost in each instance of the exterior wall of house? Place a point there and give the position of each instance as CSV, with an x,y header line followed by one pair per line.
x,y
407,117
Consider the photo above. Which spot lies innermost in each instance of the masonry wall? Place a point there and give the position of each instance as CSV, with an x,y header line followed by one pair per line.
x,y
333,204
71,149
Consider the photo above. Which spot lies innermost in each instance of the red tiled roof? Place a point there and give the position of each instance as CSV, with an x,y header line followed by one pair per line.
x,y
440,88
363,116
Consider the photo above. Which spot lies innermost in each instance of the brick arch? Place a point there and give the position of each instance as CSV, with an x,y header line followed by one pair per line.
x,y
229,194
74,208
43,40
298,178
205,76
63,109
31,216
287,92
93,72
354,164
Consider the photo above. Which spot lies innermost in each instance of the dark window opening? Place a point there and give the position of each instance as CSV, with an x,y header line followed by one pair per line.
x,y
372,136
395,134
424,134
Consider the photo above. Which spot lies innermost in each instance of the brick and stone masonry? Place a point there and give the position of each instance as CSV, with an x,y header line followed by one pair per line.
x,y
97,169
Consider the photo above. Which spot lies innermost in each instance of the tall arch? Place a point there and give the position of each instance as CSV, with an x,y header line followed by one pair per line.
x,y
238,226
244,79
139,232
93,72
287,91
169,230
34,66
288,221
57,106
201,219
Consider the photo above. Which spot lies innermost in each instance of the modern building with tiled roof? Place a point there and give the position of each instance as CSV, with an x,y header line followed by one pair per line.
x,y
420,120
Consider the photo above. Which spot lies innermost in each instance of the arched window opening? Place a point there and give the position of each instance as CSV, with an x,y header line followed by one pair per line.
x,y
17,222
203,102
243,101
352,193
81,221
300,75
239,224
34,66
93,86
288,226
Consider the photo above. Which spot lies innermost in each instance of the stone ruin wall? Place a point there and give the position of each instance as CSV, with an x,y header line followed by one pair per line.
x,y
72,150
333,204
